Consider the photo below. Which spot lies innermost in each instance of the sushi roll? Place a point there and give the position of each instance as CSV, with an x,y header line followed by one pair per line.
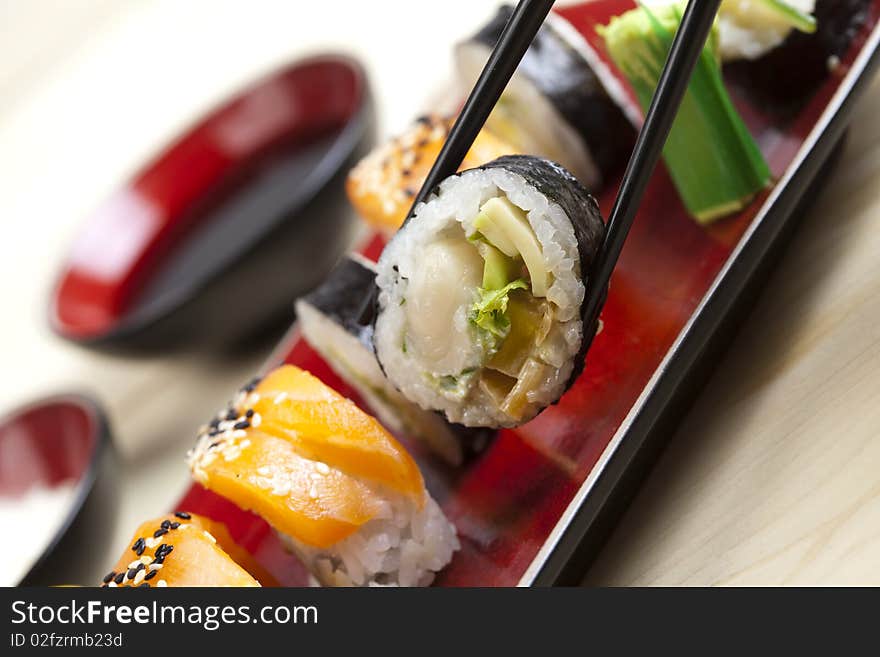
x,y
383,185
333,321
180,549
563,102
481,292
783,77
340,490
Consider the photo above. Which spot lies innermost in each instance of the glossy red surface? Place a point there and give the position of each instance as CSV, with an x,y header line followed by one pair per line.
x,y
123,243
506,502
46,444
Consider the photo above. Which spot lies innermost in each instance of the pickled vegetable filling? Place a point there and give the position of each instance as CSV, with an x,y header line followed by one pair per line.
x,y
488,287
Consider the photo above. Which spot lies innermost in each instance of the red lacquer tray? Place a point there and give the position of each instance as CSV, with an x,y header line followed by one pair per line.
x,y
529,509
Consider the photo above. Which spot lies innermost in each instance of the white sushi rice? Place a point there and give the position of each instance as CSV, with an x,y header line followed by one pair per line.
x,y
402,546
453,210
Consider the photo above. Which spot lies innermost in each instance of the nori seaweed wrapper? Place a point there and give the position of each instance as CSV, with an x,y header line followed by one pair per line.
x,y
562,75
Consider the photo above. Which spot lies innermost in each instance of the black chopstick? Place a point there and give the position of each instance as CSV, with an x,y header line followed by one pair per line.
x,y
521,28
683,56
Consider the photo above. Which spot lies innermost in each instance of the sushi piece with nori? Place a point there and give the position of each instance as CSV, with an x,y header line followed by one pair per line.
x,y
336,319
563,102
784,78
340,491
481,292
383,185
182,549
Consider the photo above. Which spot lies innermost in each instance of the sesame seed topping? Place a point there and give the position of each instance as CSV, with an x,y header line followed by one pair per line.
x,y
134,563
174,525
155,568
183,515
151,574
109,576
244,424
139,577
159,532
323,468
161,582
131,573
145,585
166,524
139,546
250,413
112,585
119,578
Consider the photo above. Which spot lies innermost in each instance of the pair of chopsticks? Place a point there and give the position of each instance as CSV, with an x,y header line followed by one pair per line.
x,y
521,28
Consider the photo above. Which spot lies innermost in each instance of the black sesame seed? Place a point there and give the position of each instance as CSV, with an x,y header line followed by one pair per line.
x,y
230,415
109,576
213,423
252,384
425,119
406,173
174,525
144,585
168,550
151,574
160,551
159,532
422,143
214,444
138,546
132,572
119,578
250,413
165,524
159,560
409,193
183,514
244,424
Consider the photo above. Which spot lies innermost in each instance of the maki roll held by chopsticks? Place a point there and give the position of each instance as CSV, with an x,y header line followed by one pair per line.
x,y
180,549
480,293
340,490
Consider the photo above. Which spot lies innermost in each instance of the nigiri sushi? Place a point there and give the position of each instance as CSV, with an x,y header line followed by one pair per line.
x,y
383,185
563,103
333,321
481,292
338,488
180,549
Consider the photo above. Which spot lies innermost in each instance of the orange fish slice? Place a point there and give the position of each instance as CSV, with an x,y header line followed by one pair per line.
x,y
300,497
383,185
180,550
325,426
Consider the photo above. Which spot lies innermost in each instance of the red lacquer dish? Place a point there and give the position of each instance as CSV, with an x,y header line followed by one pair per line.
x,y
530,505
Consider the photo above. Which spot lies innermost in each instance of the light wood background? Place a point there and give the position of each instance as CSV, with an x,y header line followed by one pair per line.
x,y
774,476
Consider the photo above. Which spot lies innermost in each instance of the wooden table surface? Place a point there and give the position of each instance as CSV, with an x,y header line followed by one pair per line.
x,y
773,477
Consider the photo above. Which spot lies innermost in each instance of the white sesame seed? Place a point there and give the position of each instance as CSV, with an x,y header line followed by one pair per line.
x,y
152,542
313,493
280,397
146,560
139,577
155,566
256,420
161,583
111,585
263,470
323,468
134,563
